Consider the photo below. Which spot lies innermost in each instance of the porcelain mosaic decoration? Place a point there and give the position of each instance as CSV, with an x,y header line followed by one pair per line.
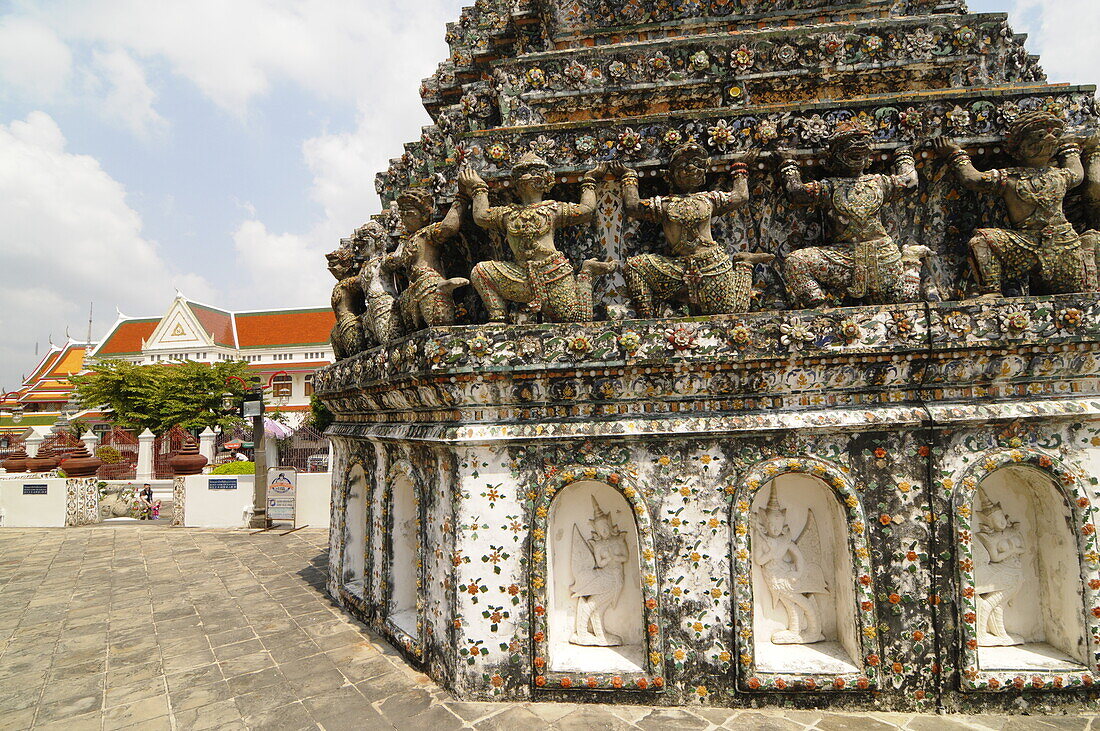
x,y
729,353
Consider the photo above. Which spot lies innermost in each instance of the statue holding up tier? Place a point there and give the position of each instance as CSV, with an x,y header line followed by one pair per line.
x,y
1092,182
428,301
381,319
864,263
699,270
790,570
541,276
599,574
1041,244
348,304
998,570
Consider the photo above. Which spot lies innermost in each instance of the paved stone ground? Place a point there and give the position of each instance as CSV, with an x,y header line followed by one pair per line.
x,y
152,627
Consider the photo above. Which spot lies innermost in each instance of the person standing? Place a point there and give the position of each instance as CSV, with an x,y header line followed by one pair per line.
x,y
146,496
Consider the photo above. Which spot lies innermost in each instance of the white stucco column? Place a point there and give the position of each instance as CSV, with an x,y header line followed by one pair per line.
x,y
145,456
91,441
271,449
207,443
34,443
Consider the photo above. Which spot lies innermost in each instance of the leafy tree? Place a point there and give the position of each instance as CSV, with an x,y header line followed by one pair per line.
x,y
320,418
158,397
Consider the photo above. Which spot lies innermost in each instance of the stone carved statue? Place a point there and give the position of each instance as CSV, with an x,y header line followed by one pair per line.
x,y
599,573
699,270
790,570
428,301
381,318
348,303
1042,244
541,276
998,570
1092,182
864,263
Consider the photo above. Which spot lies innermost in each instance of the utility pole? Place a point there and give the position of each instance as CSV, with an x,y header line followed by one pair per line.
x,y
254,407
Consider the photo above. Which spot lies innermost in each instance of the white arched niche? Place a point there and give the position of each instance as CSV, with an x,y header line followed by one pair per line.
x,y
404,555
1027,574
593,576
355,531
804,603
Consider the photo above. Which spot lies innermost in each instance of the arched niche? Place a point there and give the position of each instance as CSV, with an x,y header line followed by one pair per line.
x,y
404,554
355,531
805,611
789,566
595,613
1025,600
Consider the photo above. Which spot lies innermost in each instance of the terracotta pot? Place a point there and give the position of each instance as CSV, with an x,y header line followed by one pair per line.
x,y
81,463
16,462
44,461
187,461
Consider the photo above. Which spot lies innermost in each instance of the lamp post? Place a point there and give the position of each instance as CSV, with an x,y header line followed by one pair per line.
x,y
252,407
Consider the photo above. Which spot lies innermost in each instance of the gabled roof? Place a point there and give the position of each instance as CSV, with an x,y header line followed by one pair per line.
x,y
126,337
219,323
283,328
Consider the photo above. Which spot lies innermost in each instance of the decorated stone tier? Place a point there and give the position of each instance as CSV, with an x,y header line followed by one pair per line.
x,y
729,352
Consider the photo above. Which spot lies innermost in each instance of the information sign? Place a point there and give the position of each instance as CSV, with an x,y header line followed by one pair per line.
x,y
282,490
35,489
222,483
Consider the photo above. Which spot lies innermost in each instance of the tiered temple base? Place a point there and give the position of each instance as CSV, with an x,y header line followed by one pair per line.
x,y
878,506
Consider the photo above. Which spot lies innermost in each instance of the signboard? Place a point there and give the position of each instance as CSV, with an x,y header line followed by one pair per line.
x,y
35,489
222,483
282,490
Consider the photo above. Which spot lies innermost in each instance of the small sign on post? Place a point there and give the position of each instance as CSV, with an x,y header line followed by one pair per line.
x,y
282,491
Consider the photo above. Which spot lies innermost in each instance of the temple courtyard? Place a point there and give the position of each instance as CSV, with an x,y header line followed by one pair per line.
x,y
152,627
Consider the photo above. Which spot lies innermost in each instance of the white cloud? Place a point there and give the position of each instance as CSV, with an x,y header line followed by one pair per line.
x,y
34,62
1064,34
278,270
68,238
127,98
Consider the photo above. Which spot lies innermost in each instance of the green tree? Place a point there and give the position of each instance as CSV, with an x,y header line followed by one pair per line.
x,y
158,397
320,417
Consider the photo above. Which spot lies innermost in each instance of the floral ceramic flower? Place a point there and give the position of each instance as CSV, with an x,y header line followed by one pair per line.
x,y
1016,322
920,42
831,44
742,59
580,345
660,64
700,61
586,145
617,70
536,77
497,151
872,45
966,36
786,54
849,330
795,334
630,341
672,137
543,146
721,134
479,345
767,130
911,119
740,335
630,141
680,338
815,128
575,72
1070,318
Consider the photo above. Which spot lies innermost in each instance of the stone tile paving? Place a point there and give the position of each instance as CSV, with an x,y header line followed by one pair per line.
x,y
158,628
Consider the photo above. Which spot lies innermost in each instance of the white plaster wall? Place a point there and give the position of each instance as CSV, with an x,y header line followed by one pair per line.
x,y
1049,607
377,548
404,554
33,511
355,527
206,508
573,507
314,501
800,494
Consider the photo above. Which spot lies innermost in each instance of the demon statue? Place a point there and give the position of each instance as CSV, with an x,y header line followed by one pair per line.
x,y
863,263
428,301
541,276
1042,245
380,319
348,303
698,271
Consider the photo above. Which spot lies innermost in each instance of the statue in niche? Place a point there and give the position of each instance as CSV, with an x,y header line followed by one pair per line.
x,y
348,304
864,263
428,301
998,570
599,573
381,318
1042,244
793,579
541,276
699,270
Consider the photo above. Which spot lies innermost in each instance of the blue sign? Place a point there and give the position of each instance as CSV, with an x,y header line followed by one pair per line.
x,y
223,483
35,489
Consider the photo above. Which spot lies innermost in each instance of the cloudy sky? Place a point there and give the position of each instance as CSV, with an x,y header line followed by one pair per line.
x,y
222,146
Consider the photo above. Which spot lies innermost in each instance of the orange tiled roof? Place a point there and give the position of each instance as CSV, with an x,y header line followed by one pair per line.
x,y
218,323
71,361
45,366
128,337
295,327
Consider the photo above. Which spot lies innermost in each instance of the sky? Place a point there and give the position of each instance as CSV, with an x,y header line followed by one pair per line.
x,y
221,147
